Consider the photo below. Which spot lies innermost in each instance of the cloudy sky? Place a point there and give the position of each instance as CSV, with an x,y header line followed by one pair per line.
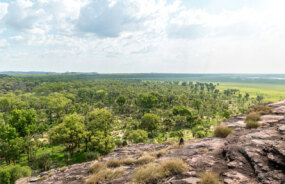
x,y
181,36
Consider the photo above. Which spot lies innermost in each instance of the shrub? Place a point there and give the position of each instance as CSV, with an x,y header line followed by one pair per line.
x,y
90,155
152,173
97,166
209,178
148,174
113,163
145,160
105,175
10,174
43,162
159,153
252,124
252,116
261,109
174,166
63,169
137,136
222,131
128,161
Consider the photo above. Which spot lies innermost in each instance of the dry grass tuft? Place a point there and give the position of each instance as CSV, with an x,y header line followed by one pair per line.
x,y
114,163
222,131
96,167
252,124
63,169
174,166
261,109
252,116
152,173
145,160
128,161
105,175
209,177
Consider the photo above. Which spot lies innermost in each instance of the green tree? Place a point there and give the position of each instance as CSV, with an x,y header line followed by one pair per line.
x,y
24,121
100,124
147,101
70,132
149,122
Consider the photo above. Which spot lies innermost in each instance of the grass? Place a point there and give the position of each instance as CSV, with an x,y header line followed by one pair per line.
x,y
145,160
261,109
209,177
270,92
222,131
252,116
105,175
252,124
152,173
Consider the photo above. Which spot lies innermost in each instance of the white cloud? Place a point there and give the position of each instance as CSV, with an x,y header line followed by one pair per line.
x,y
142,36
3,9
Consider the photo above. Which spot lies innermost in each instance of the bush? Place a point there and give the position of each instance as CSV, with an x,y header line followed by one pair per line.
x,y
209,178
252,124
10,174
145,160
174,166
261,109
252,116
152,173
105,175
97,166
90,155
43,162
128,161
113,163
222,131
148,174
137,136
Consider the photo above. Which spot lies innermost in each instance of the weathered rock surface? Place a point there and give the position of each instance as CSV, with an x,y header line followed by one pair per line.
x,y
247,156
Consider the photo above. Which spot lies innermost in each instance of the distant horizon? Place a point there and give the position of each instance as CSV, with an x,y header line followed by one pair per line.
x,y
53,72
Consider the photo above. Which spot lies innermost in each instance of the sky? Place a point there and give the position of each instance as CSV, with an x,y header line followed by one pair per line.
x,y
143,36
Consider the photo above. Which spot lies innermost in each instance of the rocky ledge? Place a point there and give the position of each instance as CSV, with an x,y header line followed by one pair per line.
x,y
245,156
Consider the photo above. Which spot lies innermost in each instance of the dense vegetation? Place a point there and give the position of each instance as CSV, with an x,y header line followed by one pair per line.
x,y
53,120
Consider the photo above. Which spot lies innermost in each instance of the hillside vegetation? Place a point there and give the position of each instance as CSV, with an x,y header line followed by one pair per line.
x,y
50,121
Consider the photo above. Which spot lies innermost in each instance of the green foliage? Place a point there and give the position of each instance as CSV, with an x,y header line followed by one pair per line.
x,y
91,155
121,100
100,120
11,149
182,111
149,122
9,175
24,121
43,162
136,136
69,133
147,101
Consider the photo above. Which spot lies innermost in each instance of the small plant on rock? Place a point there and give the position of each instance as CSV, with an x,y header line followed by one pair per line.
x,y
252,116
222,131
252,124
209,177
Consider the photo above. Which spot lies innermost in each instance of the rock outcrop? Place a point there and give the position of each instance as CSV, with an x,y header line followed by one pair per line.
x,y
247,156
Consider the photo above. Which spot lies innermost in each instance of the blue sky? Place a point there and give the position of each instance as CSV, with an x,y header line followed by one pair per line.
x,y
126,36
